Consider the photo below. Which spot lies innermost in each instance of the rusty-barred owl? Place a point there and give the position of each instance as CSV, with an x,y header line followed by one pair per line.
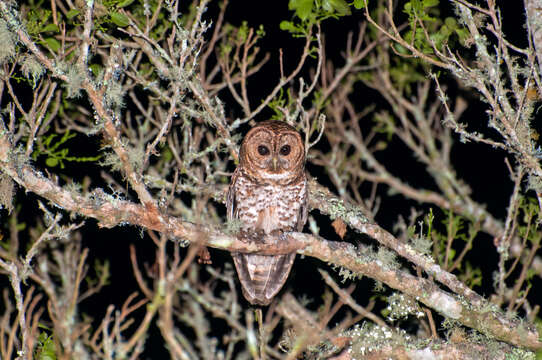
x,y
268,193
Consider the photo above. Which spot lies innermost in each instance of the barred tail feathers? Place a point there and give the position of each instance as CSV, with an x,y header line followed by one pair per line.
x,y
262,276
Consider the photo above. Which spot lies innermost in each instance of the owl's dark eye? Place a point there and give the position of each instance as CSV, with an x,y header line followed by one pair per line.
x,y
263,150
285,150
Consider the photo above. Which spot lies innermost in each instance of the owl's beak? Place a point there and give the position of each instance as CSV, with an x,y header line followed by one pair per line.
x,y
275,163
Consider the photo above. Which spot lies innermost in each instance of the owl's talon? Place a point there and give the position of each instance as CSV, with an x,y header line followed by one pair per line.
x,y
204,257
252,236
277,232
279,235
283,237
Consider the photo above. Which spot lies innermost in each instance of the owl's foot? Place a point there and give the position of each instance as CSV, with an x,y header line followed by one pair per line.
x,y
279,236
277,233
257,236
204,257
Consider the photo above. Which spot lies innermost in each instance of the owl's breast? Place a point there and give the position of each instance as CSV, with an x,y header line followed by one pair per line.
x,y
269,207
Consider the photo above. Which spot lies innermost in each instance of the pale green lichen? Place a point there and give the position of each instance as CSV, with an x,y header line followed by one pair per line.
x,y
370,337
136,157
338,209
6,192
378,287
8,40
74,83
421,244
114,96
400,306
112,160
346,274
387,258
233,226
361,257
32,68
521,354
534,183
496,348
73,188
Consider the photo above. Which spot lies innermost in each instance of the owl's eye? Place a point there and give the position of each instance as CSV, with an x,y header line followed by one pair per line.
x,y
285,150
263,150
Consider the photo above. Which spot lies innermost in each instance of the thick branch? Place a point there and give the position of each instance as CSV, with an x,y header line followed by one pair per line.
x,y
111,212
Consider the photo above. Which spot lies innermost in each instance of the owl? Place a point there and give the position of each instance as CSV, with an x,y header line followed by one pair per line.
x,y
268,194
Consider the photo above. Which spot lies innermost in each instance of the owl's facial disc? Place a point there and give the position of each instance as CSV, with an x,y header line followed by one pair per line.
x,y
274,153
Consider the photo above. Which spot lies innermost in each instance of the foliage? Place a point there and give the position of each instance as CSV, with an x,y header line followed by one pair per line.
x,y
423,19
57,155
312,12
45,349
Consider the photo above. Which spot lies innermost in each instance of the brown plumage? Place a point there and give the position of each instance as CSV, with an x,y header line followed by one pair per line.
x,y
268,193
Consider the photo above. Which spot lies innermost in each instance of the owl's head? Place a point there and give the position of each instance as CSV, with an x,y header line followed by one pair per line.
x,y
273,150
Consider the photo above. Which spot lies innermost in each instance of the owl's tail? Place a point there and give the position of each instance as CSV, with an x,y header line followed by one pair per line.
x,y
262,276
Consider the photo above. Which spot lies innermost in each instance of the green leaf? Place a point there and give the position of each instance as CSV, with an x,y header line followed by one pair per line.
x,y
401,49
359,4
43,326
124,3
336,6
72,13
52,43
463,35
303,8
120,19
51,162
95,68
429,3
242,33
50,27
291,27
287,25
46,347
450,22
166,155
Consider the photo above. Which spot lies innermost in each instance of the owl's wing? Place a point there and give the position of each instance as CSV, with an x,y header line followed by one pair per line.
x,y
231,212
304,209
